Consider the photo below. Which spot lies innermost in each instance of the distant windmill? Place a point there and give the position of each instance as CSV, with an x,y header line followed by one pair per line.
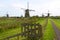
x,y
7,15
42,15
27,10
48,14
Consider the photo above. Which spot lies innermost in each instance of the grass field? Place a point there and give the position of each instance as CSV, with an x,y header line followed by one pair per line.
x,y
6,24
12,26
9,27
49,33
57,22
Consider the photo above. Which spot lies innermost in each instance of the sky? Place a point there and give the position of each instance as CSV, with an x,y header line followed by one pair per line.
x,y
13,7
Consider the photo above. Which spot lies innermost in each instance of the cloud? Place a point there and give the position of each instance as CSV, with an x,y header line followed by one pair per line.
x,y
41,6
17,5
2,5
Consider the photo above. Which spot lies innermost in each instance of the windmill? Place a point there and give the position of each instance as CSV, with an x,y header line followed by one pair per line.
x,y
48,14
7,15
27,10
42,15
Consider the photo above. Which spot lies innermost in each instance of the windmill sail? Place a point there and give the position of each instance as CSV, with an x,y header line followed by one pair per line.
x,y
27,5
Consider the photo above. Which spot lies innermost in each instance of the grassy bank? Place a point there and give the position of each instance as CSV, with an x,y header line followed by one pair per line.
x,y
13,31
49,33
57,22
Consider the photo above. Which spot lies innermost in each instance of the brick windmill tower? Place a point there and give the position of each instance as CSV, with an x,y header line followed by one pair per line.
x,y
27,10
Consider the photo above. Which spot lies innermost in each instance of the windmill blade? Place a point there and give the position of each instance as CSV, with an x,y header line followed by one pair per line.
x,y
49,12
42,14
22,8
31,10
27,5
45,13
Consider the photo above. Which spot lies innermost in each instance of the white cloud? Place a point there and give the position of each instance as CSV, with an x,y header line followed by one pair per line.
x,y
2,5
38,5
17,5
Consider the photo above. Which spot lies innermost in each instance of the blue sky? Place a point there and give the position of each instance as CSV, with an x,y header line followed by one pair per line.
x,y
13,7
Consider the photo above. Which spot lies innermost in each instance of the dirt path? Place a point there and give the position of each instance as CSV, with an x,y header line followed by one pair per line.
x,y
56,30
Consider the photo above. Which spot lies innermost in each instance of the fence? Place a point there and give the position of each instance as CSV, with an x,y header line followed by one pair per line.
x,y
30,31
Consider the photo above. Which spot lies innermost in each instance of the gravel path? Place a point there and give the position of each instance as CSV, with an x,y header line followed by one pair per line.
x,y
56,30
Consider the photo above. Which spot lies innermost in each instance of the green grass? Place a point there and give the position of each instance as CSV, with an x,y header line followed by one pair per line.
x,y
6,24
49,33
13,31
10,32
17,23
57,22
